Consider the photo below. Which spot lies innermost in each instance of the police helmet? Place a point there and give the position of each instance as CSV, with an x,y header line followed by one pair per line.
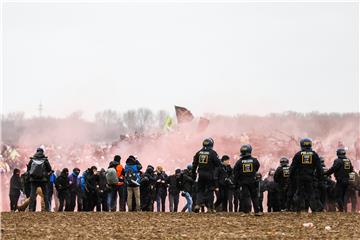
x,y
245,150
284,161
208,143
341,152
306,144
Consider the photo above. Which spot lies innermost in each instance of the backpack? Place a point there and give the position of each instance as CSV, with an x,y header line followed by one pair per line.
x,y
111,176
37,169
132,176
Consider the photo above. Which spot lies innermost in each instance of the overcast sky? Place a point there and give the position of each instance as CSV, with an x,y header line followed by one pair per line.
x,y
223,58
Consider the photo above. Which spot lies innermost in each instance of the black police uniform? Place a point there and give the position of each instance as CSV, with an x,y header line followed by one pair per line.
x,y
303,167
244,176
341,168
205,162
281,177
273,203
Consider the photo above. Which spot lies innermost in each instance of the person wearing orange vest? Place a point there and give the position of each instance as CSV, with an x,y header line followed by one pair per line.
x,y
119,189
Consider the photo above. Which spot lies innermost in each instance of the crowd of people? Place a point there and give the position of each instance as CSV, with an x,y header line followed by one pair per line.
x,y
128,186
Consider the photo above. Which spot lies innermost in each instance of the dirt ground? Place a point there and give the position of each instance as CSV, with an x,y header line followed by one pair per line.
x,y
40,225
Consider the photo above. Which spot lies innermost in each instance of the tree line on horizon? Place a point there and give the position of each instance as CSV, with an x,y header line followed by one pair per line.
x,y
109,124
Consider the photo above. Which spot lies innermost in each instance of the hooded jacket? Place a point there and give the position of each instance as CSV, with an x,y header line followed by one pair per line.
x,y
62,182
40,156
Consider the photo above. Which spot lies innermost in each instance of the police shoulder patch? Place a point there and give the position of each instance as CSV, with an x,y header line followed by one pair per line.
x,y
248,167
306,157
347,164
286,171
203,158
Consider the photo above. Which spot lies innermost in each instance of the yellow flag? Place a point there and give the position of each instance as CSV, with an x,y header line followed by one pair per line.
x,y
168,123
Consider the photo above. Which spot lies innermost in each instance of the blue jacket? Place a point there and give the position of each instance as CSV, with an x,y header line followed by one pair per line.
x,y
74,183
52,178
135,170
81,183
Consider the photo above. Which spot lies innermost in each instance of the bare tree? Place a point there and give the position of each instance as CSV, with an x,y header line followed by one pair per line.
x,y
109,124
12,127
160,118
144,120
129,120
76,115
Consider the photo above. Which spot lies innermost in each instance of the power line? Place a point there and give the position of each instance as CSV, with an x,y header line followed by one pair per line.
x,y
40,109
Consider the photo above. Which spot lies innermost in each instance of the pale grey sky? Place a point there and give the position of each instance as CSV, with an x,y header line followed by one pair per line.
x,y
224,58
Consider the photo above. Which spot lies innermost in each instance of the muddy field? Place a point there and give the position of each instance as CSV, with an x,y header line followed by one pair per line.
x,y
178,226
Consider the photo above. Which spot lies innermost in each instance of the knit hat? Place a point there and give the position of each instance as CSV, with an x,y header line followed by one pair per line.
x,y
117,158
224,158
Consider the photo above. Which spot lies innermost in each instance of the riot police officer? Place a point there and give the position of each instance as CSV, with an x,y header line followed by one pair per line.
x,y
305,164
322,185
341,168
245,171
281,177
205,163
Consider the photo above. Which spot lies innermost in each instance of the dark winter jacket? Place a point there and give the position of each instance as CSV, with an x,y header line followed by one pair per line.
x,y
174,184
25,184
62,182
15,185
341,169
40,157
161,185
306,164
73,182
245,170
187,181
147,183
281,176
224,175
102,182
205,162
91,181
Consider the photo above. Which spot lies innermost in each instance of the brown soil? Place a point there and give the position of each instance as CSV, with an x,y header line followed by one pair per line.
x,y
155,226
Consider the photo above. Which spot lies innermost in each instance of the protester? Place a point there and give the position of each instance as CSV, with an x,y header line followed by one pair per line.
x,y
174,190
62,187
39,170
15,189
161,189
74,186
132,179
238,189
